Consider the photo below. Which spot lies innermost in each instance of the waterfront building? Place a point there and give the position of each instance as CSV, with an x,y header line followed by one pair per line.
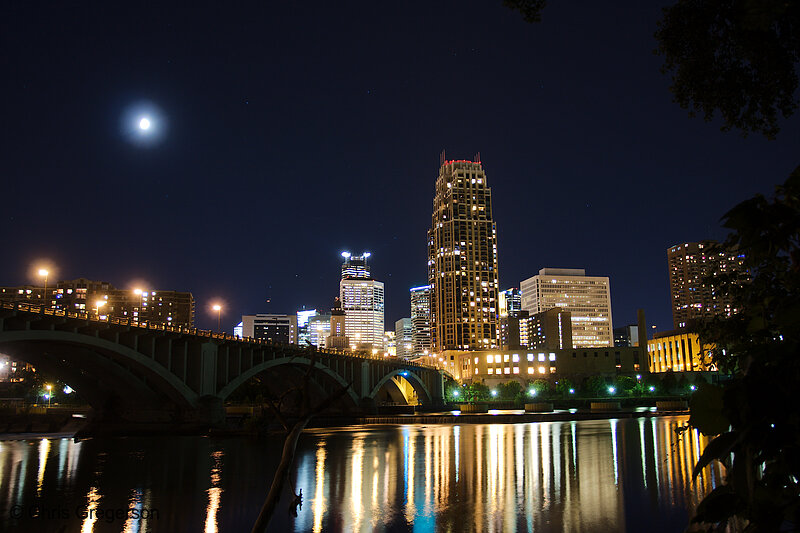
x,y
362,300
462,260
692,268
421,319
268,327
678,351
495,366
404,341
587,298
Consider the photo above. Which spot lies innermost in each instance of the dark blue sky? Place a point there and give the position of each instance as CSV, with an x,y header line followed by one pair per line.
x,y
301,129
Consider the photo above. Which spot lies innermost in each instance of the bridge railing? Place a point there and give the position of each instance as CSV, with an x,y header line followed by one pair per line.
x,y
226,337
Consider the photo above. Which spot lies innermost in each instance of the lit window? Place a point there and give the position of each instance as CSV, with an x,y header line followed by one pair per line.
x,y
541,370
516,370
541,357
489,358
530,357
530,370
491,371
515,358
507,370
476,360
552,357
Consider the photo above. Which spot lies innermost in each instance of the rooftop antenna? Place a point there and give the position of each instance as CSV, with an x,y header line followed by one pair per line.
x,y
441,158
478,157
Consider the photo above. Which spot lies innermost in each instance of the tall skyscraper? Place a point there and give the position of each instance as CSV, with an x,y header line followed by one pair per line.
x,y
587,298
362,299
462,260
421,319
355,266
691,265
510,302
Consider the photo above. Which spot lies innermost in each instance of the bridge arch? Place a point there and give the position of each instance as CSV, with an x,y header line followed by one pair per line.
x,y
423,394
100,359
250,373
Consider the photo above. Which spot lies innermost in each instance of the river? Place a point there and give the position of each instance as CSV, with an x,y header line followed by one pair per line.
x,y
592,475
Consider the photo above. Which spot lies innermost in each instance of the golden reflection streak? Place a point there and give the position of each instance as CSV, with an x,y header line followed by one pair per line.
x,y
546,462
411,452
90,515
133,525
613,423
642,450
318,505
375,511
44,451
356,486
556,433
214,494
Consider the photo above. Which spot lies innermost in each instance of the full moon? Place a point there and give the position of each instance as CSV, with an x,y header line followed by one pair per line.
x,y
144,124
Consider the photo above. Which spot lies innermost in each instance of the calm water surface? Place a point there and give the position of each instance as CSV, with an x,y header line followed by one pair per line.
x,y
609,475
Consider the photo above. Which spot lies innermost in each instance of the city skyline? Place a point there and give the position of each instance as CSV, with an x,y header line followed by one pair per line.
x,y
592,165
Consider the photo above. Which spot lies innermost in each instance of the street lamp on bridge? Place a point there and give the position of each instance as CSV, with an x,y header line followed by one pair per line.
x,y
44,272
218,309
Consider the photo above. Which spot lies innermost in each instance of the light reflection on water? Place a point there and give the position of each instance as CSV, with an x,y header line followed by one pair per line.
x,y
609,475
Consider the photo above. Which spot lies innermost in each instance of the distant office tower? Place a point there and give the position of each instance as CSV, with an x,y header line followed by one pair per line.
x,y
587,298
268,327
319,329
301,323
548,330
338,338
139,306
421,319
510,302
362,300
355,266
690,264
403,331
462,260
626,336
389,344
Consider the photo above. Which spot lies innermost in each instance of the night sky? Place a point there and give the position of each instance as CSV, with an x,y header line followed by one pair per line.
x,y
291,131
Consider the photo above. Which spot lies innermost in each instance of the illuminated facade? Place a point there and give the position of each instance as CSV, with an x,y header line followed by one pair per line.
x,y
319,329
510,302
462,260
421,319
338,336
362,300
587,298
690,265
404,344
678,351
551,329
268,327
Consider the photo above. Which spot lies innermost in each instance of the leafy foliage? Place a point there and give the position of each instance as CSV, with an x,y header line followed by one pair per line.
x,y
531,10
737,57
756,413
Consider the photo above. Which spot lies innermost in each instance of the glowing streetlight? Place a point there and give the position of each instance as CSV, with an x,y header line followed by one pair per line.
x,y
572,391
494,393
612,390
693,388
532,392
144,124
49,389
651,388
455,393
218,309
44,272
99,304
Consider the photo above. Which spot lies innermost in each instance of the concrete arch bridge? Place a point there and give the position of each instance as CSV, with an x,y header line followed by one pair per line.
x,y
157,374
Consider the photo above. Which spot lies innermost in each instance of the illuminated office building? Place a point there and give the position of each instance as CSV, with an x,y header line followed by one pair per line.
x,y
691,265
319,329
587,298
510,302
355,266
268,327
421,319
462,260
362,300
403,338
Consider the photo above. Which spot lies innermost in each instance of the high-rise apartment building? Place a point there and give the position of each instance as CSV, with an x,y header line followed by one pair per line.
x,y
462,260
362,300
421,319
691,266
587,298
